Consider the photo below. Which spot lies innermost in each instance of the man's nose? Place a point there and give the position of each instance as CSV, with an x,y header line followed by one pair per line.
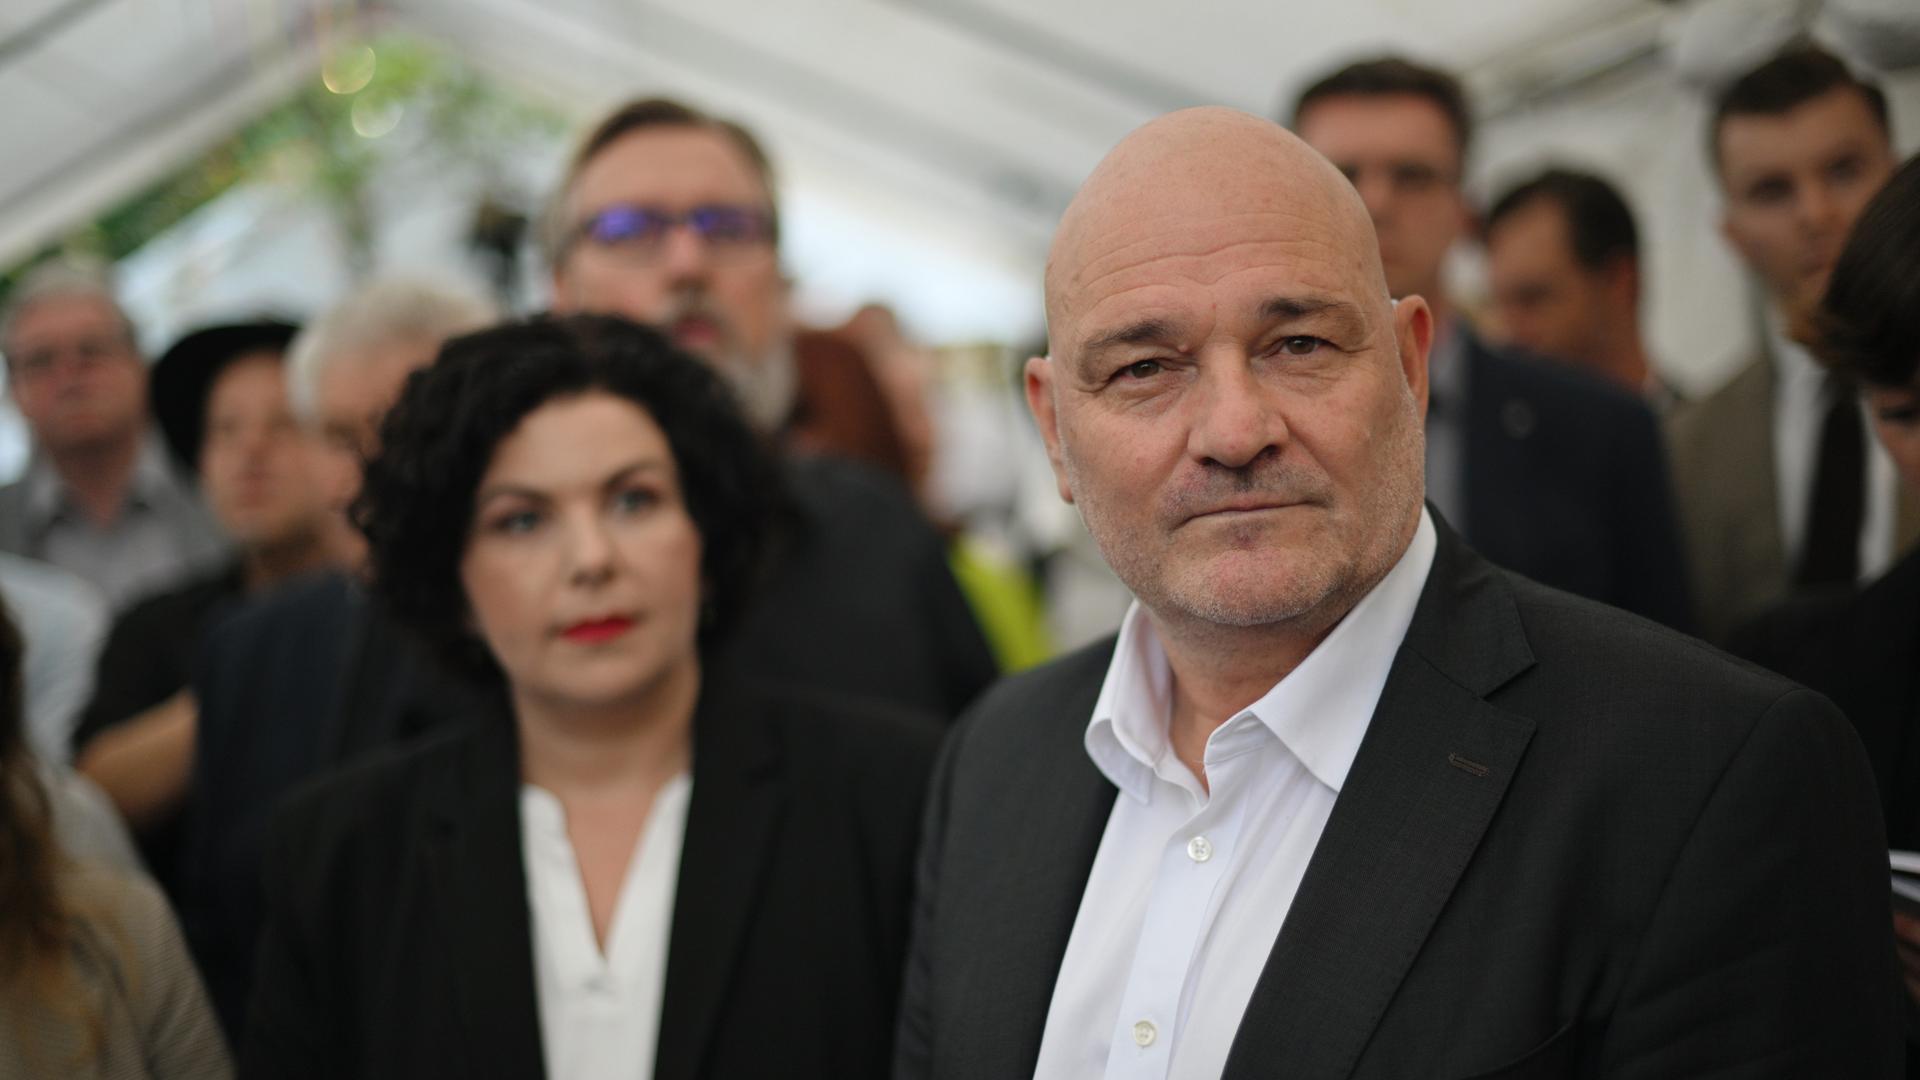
x,y
1819,207
1233,421
685,253
1376,191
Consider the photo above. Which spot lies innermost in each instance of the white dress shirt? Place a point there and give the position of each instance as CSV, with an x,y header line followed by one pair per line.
x,y
1799,413
600,1013
1189,888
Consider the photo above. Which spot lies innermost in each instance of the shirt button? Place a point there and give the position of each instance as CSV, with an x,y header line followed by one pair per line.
x,y
1144,1033
1199,849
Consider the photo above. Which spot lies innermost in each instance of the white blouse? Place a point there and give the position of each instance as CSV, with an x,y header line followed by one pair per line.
x,y
600,1013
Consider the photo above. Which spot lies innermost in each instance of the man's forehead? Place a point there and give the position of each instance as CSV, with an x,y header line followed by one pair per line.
x,y
1537,227
1229,256
63,310
1835,122
674,163
1404,125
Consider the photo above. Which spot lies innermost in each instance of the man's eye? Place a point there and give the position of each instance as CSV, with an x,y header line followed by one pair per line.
x,y
1142,369
1301,345
1904,415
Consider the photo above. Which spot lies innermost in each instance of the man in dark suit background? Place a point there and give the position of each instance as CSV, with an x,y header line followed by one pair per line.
x,y
1344,799
1545,469
1783,488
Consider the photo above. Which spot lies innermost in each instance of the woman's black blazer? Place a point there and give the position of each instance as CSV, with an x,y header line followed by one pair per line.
x,y
398,940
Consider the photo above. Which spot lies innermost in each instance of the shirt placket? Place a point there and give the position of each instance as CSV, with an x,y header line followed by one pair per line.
x,y
1192,862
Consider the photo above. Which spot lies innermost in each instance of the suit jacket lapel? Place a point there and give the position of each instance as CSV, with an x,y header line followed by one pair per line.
x,y
1434,765
1052,821
475,864
738,791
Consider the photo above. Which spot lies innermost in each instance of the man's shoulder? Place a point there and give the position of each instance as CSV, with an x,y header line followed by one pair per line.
x,y
293,610
1743,399
1566,393
49,592
829,485
840,738
181,609
1041,704
1594,664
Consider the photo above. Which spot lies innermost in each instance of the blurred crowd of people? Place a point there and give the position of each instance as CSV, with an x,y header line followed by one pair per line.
x,y
295,762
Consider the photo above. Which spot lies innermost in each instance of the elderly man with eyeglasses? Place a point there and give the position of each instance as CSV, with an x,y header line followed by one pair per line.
x,y
668,216
99,498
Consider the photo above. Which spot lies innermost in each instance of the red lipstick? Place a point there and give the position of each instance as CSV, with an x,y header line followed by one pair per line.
x,y
595,631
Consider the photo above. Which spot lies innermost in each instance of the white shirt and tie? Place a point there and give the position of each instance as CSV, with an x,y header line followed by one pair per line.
x,y
1799,413
1190,885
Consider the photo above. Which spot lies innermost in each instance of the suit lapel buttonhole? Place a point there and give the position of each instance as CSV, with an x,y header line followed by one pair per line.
x,y
1467,765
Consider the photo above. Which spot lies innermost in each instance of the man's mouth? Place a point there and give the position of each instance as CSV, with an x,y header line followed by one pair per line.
x,y
695,331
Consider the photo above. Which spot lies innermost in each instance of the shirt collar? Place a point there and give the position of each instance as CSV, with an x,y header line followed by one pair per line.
x,y
1447,365
1320,711
1793,366
154,481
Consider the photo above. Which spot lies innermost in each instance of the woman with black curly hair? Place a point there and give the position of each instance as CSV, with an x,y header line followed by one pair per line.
x,y
643,865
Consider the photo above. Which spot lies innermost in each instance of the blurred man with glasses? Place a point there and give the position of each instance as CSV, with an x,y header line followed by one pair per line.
x,y
99,498
668,216
1545,470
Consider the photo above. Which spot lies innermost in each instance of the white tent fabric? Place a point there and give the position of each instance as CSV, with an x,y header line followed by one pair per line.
x,y
926,146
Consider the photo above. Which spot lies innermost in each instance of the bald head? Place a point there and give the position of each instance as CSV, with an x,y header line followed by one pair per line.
x,y
1209,173
1231,398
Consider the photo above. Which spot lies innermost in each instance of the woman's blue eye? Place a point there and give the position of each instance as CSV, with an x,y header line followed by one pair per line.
x,y
635,499
518,522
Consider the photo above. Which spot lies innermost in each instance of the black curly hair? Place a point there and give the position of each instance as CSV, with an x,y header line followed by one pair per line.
x,y
416,504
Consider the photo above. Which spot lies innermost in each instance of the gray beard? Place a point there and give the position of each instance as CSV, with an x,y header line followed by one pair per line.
x,y
766,387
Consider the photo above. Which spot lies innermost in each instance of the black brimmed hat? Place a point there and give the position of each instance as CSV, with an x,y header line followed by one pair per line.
x,y
185,373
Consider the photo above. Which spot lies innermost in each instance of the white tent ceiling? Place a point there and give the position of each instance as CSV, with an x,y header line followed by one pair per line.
x,y
989,107
926,146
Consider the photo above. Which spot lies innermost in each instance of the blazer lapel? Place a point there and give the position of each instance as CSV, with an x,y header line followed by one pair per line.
x,y
1051,822
475,860
1434,765
738,791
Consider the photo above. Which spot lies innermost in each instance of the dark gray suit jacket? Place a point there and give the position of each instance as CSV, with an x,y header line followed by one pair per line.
x,y
1573,843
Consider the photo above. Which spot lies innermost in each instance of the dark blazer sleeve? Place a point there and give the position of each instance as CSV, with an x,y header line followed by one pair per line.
x,y
913,1042
285,1037
1770,951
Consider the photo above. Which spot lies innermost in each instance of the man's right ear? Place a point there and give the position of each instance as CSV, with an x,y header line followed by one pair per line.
x,y
1040,401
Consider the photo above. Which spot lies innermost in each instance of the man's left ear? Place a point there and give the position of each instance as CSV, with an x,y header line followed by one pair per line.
x,y
1040,401
1413,336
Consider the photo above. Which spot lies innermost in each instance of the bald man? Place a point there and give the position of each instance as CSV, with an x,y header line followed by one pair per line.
x,y
1342,799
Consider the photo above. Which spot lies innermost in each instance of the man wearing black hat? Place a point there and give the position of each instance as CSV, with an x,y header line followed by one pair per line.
x,y
220,398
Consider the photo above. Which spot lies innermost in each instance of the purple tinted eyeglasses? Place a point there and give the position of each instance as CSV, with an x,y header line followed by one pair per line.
x,y
642,230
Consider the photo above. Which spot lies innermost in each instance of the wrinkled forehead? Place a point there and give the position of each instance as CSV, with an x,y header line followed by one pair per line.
x,y
1223,251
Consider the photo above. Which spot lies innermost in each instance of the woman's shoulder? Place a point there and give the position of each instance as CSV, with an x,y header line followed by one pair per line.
x,y
380,792
838,734
132,948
